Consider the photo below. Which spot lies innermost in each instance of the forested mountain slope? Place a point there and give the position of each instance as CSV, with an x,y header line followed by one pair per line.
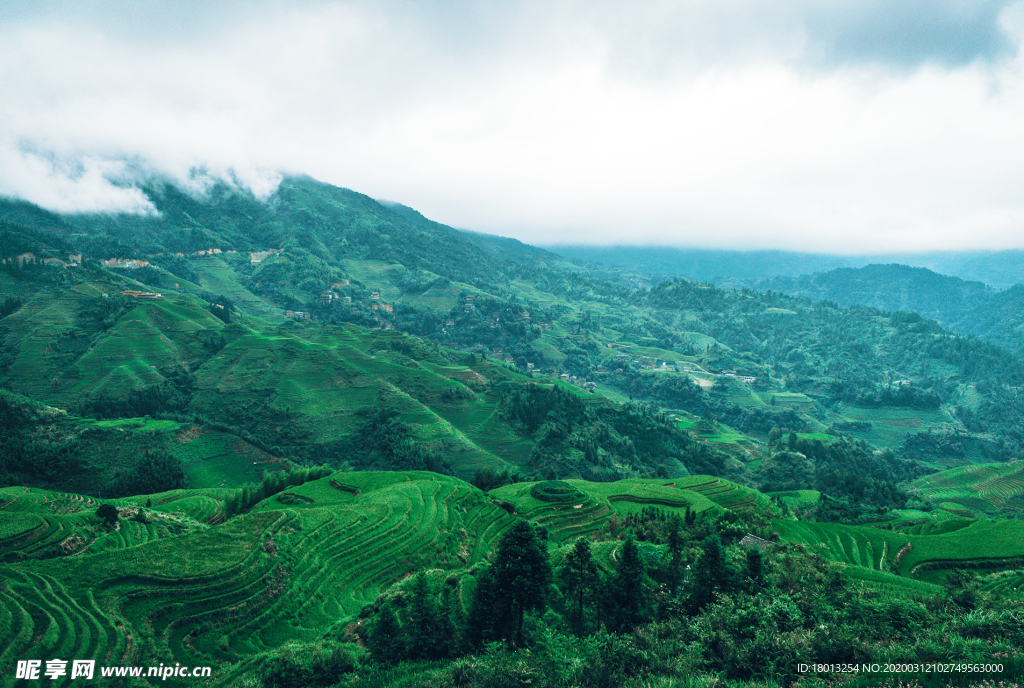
x,y
321,325
964,307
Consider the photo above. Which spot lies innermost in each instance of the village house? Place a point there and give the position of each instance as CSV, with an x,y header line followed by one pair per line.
x,y
142,294
256,257
129,263
752,541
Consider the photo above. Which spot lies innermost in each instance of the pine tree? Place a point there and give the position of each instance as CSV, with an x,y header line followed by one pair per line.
x,y
385,638
628,585
450,621
579,576
522,574
482,624
421,629
711,573
755,574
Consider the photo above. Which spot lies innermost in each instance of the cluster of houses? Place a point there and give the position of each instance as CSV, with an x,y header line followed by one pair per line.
x,y
75,259
743,378
495,319
575,380
129,263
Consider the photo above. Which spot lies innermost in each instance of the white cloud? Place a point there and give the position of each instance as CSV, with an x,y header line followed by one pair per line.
x,y
718,124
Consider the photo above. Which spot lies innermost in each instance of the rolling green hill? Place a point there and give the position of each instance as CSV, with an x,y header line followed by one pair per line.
x,y
278,323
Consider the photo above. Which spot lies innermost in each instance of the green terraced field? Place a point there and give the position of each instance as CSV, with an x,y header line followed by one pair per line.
x,y
871,548
979,488
1005,583
297,564
926,553
890,426
798,498
597,502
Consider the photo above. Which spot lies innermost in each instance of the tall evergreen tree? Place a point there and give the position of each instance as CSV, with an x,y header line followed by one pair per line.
x,y
578,577
522,574
711,573
449,622
482,624
422,627
628,584
754,573
385,638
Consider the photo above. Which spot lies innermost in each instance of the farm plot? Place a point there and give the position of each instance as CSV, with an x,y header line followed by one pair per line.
x,y
724,493
983,544
293,567
572,508
984,488
854,545
890,426
288,570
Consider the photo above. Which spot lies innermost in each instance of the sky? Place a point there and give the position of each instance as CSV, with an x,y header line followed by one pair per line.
x,y
843,126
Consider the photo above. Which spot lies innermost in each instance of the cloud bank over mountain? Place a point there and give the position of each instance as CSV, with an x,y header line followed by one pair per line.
x,y
847,126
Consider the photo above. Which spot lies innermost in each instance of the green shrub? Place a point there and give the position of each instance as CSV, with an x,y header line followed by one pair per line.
x,y
309,665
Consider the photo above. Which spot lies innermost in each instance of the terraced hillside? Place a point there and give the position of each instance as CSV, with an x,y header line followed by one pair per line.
x,y
921,553
174,582
976,489
240,397
572,508
168,587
